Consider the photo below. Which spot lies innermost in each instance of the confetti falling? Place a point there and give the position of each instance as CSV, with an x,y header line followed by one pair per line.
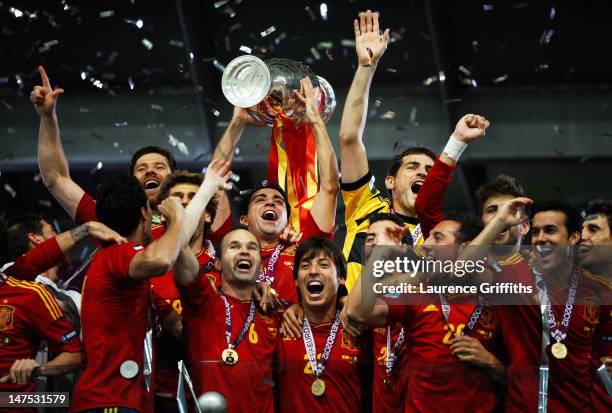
x,y
96,168
323,11
246,49
268,31
501,78
8,188
147,44
546,36
107,13
310,13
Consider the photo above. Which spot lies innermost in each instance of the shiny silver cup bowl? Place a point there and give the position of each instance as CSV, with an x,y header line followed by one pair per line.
x,y
266,88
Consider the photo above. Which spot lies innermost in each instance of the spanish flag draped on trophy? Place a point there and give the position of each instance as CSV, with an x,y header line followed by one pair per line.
x,y
266,89
293,166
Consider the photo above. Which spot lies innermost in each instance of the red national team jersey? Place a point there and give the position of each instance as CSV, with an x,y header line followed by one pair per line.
x,y
602,346
247,385
570,380
341,375
114,317
388,393
36,261
29,314
438,381
283,283
167,355
521,336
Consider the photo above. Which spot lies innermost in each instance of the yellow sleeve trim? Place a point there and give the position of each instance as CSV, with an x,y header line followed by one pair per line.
x,y
45,296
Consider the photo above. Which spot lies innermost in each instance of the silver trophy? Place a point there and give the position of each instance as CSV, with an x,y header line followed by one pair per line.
x,y
266,88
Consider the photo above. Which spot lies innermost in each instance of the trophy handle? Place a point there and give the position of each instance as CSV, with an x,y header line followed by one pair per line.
x,y
327,99
245,81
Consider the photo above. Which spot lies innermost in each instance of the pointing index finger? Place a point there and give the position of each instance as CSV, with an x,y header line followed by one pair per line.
x,y
44,77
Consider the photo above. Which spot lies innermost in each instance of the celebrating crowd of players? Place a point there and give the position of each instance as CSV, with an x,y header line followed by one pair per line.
x,y
276,320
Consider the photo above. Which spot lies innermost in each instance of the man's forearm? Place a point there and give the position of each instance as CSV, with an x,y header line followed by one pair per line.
x,y
328,165
186,267
194,211
62,364
356,107
51,158
227,145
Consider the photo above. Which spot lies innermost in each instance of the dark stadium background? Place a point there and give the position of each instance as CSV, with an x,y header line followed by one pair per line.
x,y
539,70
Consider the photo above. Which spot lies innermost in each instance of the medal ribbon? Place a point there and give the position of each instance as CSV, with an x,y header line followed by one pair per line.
x,y
474,317
392,352
560,333
228,323
544,370
311,348
268,274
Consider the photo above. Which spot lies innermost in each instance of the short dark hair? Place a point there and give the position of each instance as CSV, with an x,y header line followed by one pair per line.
x,y
262,185
219,250
16,233
185,177
572,216
379,216
601,206
152,149
470,227
118,203
396,161
314,246
501,185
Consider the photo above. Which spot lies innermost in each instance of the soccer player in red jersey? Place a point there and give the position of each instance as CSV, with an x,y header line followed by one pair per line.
x,y
595,257
555,227
117,299
320,372
389,345
230,341
451,343
34,248
183,185
150,165
268,208
29,314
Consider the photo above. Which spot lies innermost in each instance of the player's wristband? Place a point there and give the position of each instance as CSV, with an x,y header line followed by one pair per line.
x,y
454,148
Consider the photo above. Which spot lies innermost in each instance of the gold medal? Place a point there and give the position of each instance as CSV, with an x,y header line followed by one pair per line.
x,y
559,350
318,387
229,356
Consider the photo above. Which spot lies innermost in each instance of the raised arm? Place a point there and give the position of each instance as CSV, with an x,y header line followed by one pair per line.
x,y
51,158
363,306
159,256
186,269
217,174
323,208
370,46
430,199
54,250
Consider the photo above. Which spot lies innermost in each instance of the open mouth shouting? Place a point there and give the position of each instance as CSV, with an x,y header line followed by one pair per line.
x,y
243,265
416,186
151,184
315,288
269,215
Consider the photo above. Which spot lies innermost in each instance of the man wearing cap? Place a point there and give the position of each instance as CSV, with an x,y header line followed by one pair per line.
x,y
268,209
